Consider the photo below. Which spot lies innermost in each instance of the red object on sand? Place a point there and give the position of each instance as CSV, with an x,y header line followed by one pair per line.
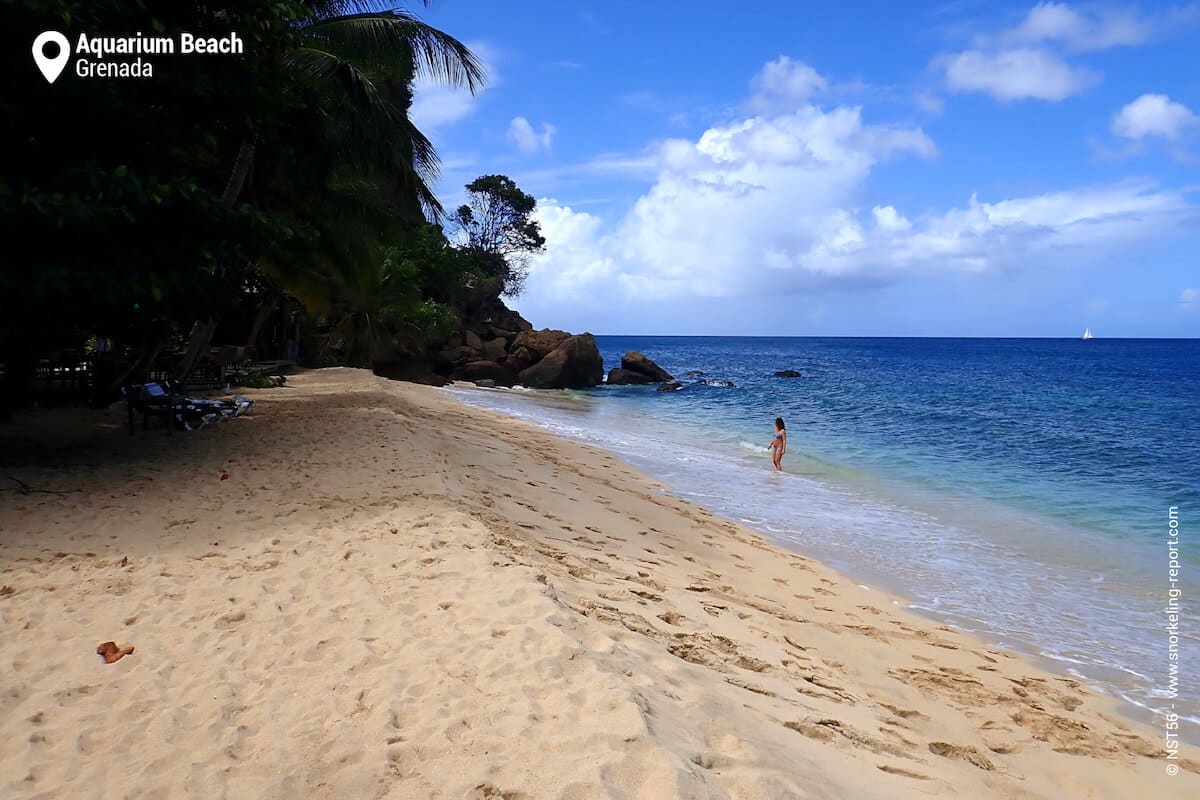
x,y
111,652
224,475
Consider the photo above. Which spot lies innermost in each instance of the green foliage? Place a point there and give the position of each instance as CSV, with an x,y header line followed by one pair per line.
x,y
155,202
247,376
497,223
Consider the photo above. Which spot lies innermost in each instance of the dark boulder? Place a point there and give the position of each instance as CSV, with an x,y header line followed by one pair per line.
x,y
625,377
574,364
457,355
787,373
541,342
485,370
411,371
501,333
521,358
485,383
721,384
509,320
673,386
495,350
633,361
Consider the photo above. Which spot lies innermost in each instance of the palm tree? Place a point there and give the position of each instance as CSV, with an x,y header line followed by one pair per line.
x,y
357,60
363,57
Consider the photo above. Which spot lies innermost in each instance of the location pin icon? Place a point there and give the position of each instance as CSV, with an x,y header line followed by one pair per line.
x,y
51,67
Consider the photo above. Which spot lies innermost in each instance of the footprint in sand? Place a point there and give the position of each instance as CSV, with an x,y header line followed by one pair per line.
x,y
962,753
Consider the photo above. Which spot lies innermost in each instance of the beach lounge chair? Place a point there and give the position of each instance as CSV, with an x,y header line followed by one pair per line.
x,y
150,400
169,401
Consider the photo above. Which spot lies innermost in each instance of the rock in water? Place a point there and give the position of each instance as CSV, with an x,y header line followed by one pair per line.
x,y
721,384
574,364
541,342
625,377
787,373
673,386
485,370
633,361
694,373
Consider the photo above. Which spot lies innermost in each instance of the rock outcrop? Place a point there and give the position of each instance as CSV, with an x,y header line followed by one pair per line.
x,y
541,342
497,346
787,373
495,349
635,362
618,376
576,363
485,370
520,359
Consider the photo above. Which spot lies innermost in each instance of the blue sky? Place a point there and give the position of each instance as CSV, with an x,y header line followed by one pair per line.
x,y
956,169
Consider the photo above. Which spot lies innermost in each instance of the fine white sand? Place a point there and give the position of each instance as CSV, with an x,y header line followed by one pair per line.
x,y
392,595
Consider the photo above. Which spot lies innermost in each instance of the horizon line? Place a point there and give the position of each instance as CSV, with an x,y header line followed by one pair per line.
x,y
891,336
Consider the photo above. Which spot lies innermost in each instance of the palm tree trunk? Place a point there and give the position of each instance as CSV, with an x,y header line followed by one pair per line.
x,y
201,336
265,309
203,330
241,169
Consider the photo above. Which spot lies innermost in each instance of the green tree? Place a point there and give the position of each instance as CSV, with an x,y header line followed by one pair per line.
x,y
401,300
354,64
115,186
499,230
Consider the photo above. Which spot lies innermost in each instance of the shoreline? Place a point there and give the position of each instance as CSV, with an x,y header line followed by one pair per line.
x,y
1110,677
395,592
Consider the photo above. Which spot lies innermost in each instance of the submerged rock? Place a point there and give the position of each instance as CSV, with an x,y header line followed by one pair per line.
x,y
574,364
694,373
720,384
787,373
673,386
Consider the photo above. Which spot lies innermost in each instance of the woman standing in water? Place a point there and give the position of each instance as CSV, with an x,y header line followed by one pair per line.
x,y
779,443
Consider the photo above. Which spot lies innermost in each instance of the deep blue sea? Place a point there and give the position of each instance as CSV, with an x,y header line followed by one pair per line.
x,y
1017,488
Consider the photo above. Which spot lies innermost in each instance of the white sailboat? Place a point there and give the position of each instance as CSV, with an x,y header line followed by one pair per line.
x,y
1087,334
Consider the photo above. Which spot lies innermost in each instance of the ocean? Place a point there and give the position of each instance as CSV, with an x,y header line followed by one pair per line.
x,y
1021,489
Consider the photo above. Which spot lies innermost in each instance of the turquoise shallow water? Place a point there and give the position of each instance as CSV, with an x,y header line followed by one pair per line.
x,y
1017,488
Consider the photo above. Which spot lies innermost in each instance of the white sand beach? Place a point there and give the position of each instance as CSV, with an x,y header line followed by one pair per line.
x,y
366,589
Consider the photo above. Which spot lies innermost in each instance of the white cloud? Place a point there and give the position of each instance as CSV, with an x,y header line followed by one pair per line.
x,y
1026,62
435,105
929,103
527,139
1095,28
773,204
785,84
890,220
1154,115
1015,74
1189,299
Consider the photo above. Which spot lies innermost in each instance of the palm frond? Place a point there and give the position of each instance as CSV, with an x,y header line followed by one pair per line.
x,y
384,37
